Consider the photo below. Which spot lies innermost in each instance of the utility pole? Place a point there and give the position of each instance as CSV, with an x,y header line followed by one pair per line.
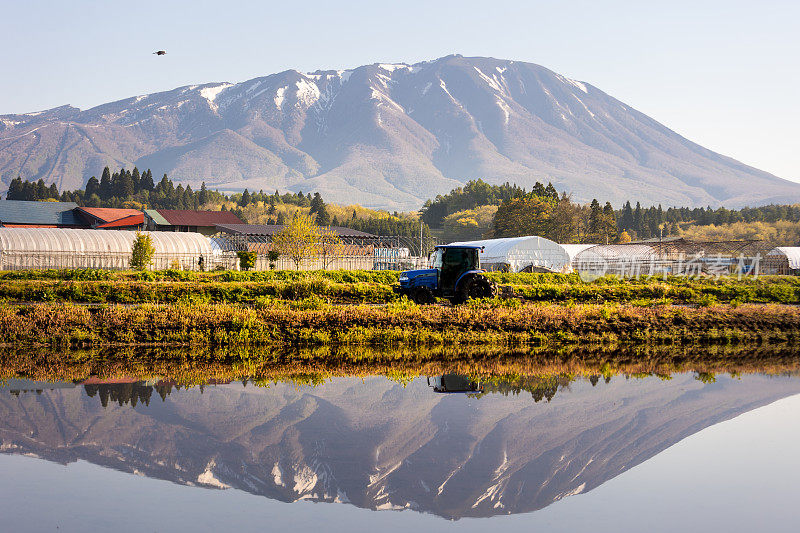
x,y
420,235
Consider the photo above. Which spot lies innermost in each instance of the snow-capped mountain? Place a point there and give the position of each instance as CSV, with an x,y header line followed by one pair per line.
x,y
387,135
376,444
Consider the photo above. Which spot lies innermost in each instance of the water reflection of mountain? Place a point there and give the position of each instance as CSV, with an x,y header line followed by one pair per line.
x,y
377,444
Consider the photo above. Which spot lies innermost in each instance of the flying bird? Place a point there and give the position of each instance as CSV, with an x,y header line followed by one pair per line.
x,y
160,53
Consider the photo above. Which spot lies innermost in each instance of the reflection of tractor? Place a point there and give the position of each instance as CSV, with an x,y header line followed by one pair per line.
x,y
454,383
456,274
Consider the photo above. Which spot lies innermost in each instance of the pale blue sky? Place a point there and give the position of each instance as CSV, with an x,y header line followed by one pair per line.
x,y
722,73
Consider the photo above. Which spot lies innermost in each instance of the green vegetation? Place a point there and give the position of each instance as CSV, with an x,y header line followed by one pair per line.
x,y
375,287
247,260
142,252
478,210
313,322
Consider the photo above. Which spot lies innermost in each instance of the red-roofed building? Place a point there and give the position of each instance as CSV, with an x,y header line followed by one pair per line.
x,y
204,222
110,218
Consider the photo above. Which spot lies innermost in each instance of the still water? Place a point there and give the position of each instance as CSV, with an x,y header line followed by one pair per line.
x,y
372,454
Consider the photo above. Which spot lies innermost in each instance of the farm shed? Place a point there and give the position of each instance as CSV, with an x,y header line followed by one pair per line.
x,y
516,254
39,248
23,213
187,220
783,260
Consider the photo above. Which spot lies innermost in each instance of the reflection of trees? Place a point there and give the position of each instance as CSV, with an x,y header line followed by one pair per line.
x,y
126,393
539,387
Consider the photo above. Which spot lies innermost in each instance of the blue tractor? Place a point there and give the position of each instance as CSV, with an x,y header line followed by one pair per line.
x,y
456,274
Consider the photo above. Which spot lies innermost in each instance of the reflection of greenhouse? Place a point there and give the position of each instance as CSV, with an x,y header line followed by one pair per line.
x,y
517,254
40,248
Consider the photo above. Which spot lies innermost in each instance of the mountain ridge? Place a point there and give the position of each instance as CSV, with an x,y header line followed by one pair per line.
x,y
387,135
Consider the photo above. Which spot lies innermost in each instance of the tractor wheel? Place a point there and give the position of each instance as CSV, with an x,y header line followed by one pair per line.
x,y
474,287
423,296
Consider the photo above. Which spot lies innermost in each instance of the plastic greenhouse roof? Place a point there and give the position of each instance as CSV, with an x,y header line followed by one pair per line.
x,y
521,252
98,241
792,253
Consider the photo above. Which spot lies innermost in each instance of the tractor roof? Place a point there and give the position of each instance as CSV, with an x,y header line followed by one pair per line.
x,y
462,246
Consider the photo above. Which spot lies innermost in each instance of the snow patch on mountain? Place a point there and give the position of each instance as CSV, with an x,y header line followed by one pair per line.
x,y
277,475
211,93
305,479
307,93
208,478
279,96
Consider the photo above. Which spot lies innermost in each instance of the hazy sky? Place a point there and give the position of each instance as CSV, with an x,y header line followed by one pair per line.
x,y
722,73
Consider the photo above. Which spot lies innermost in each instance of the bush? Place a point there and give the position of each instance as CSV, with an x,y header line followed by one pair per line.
x,y
247,260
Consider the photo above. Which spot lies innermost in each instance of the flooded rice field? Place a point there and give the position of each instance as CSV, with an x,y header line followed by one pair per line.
x,y
451,452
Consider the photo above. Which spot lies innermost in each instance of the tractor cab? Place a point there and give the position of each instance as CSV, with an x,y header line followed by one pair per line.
x,y
452,262
455,274
454,383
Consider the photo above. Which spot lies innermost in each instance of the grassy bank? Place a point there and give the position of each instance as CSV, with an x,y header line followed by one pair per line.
x,y
349,287
313,322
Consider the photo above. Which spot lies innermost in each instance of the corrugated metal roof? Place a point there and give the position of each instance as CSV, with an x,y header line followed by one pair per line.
x,y
132,220
792,253
109,214
272,229
187,217
156,217
24,212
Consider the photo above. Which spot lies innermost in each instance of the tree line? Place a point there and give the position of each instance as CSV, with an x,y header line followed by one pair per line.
x,y
134,189
479,210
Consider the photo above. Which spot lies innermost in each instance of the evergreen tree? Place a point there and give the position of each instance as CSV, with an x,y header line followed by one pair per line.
x,y
551,191
202,198
595,217
105,184
92,186
136,179
14,189
124,185
41,190
245,198
627,217
638,222
147,181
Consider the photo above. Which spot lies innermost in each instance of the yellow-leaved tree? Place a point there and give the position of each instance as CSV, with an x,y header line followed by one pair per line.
x,y
142,251
298,240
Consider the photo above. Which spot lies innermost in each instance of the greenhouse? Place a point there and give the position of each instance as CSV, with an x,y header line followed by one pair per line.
x,y
624,260
41,248
517,254
674,256
784,260
573,250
